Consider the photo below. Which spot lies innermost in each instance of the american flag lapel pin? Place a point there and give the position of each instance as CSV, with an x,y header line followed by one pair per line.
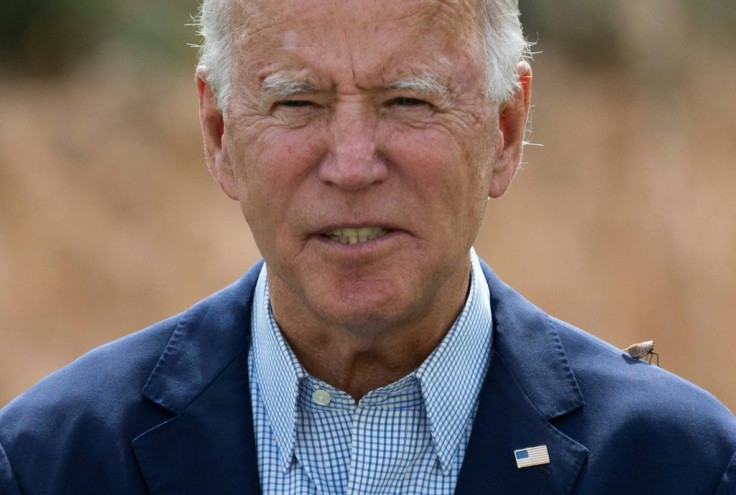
x,y
531,456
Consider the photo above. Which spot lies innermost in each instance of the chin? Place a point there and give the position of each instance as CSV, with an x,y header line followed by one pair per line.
x,y
364,307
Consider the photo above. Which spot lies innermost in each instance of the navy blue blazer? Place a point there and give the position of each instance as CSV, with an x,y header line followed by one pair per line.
x,y
167,411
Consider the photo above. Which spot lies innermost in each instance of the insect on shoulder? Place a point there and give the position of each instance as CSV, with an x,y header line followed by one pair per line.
x,y
643,350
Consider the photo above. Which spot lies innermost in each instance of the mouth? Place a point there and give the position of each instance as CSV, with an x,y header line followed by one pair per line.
x,y
355,235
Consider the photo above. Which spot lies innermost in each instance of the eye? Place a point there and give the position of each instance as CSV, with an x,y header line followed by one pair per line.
x,y
403,101
294,103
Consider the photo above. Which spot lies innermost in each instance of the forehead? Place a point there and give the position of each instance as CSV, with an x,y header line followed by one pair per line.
x,y
366,37
352,13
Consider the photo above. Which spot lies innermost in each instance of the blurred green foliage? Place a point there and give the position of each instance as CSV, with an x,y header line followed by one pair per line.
x,y
46,37
584,28
594,32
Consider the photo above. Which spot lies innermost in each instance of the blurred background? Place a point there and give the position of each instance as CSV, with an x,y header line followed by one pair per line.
x,y
622,222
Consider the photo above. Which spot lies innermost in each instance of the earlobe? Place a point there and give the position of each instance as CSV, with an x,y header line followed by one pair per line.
x,y
213,134
512,126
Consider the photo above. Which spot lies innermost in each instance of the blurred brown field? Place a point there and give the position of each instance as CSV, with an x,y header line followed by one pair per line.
x,y
623,222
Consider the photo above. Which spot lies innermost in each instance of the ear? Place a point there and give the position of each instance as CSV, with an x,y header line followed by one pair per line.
x,y
512,126
213,132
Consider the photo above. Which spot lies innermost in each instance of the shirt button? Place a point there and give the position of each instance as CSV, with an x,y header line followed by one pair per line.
x,y
321,397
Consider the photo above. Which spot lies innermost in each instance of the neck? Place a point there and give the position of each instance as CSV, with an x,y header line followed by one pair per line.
x,y
362,358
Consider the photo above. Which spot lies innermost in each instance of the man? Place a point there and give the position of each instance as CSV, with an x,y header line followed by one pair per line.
x,y
372,352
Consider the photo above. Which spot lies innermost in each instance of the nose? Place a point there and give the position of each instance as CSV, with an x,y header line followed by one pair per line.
x,y
353,161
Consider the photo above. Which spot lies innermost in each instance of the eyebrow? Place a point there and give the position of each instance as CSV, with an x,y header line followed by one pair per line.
x,y
280,86
423,84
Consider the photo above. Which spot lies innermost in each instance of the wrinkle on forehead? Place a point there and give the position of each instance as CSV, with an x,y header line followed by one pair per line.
x,y
254,16
339,29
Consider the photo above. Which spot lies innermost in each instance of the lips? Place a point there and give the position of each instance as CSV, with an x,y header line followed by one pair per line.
x,y
355,235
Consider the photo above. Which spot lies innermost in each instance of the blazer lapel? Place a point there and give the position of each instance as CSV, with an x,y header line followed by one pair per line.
x,y
208,446
529,384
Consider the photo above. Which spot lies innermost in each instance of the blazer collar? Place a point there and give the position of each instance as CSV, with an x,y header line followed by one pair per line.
x,y
208,446
529,385
529,342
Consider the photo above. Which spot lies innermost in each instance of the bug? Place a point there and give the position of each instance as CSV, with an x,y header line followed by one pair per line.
x,y
643,350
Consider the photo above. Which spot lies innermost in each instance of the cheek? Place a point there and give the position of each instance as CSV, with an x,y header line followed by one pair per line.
x,y
272,167
444,169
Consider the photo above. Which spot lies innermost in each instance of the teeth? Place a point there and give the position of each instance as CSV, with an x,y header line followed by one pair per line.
x,y
356,236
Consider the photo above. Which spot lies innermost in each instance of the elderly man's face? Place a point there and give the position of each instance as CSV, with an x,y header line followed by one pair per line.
x,y
361,146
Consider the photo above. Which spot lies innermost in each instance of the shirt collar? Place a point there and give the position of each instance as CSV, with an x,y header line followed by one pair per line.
x,y
278,372
450,378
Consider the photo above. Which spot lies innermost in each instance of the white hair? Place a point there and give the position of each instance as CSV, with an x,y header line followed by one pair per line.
x,y
215,52
503,45
502,42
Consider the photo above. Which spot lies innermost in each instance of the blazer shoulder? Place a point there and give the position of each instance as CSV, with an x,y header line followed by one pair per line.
x,y
82,418
73,431
672,429
605,371
115,373
641,425
99,384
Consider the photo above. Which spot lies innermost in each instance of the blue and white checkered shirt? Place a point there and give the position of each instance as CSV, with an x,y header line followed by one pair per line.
x,y
408,437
